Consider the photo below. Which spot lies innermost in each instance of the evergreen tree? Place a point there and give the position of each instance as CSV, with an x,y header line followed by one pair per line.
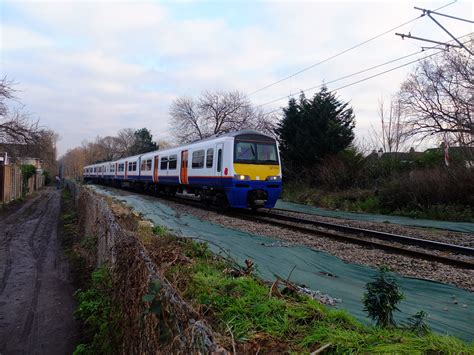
x,y
314,128
143,142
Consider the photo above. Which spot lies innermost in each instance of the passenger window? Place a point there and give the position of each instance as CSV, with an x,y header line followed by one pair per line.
x,y
164,163
209,157
148,165
173,162
198,159
219,160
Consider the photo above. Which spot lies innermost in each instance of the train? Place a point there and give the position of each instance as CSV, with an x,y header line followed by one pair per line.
x,y
238,169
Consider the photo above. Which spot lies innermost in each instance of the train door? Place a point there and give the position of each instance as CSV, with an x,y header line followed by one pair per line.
x,y
126,170
183,176
116,168
155,169
219,159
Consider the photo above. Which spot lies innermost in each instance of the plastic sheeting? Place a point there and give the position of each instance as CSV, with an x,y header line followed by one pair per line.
x,y
406,221
451,309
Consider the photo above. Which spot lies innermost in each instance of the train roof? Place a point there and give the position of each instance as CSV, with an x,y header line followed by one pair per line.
x,y
215,136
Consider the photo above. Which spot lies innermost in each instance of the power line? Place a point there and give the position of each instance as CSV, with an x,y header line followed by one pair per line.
x,y
366,78
371,77
342,52
343,77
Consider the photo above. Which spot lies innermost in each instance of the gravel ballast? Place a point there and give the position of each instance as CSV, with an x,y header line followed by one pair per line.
x,y
404,265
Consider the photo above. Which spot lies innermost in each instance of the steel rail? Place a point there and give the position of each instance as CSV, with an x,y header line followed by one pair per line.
x,y
425,243
264,218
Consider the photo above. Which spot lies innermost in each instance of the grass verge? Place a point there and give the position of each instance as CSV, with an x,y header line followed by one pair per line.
x,y
259,317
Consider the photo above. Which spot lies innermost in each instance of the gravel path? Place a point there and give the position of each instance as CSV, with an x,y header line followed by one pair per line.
x,y
404,265
36,292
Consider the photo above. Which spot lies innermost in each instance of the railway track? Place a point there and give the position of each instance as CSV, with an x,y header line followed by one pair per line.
x,y
444,253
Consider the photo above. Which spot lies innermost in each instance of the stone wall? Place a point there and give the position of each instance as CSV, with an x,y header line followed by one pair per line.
x,y
133,271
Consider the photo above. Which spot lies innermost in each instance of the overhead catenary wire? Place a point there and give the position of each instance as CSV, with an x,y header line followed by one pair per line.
x,y
343,77
364,79
342,52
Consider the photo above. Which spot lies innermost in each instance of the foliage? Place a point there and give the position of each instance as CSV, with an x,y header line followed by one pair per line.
x,y
126,142
155,306
423,189
143,142
47,177
341,171
159,230
313,129
95,309
244,307
28,170
417,323
381,299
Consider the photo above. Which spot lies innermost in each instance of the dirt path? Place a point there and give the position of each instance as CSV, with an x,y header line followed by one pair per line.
x,y
36,302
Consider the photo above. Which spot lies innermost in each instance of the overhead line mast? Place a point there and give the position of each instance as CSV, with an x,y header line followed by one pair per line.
x,y
428,13
342,52
369,77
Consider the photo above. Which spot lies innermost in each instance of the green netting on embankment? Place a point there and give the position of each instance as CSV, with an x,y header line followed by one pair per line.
x,y
406,221
451,309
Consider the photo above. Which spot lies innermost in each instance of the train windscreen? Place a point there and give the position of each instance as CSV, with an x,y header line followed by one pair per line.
x,y
253,151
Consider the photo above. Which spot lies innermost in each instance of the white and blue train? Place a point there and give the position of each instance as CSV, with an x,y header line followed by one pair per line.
x,y
239,169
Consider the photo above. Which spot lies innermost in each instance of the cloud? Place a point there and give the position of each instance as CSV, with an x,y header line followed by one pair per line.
x,y
92,68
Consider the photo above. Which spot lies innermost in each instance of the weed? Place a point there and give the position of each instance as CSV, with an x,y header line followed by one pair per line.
x,y
245,306
89,242
381,298
160,230
95,310
156,307
417,323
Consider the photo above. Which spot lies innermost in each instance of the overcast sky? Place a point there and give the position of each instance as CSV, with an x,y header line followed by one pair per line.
x,y
92,68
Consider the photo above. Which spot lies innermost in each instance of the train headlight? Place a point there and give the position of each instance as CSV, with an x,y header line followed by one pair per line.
x,y
274,178
241,177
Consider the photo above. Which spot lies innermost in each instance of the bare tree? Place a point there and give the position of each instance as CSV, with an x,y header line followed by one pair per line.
x,y
15,125
391,136
125,140
214,113
438,97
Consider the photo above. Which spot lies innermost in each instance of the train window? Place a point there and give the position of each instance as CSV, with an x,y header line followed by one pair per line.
x,y
146,165
164,163
198,159
209,157
219,160
112,168
173,162
132,166
255,153
121,167
245,151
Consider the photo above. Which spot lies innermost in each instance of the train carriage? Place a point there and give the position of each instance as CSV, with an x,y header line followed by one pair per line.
x,y
241,169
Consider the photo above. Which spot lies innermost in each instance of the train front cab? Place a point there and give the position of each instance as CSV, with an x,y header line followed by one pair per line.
x,y
257,172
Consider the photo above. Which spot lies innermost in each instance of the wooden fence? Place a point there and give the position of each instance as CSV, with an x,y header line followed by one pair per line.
x,y
11,183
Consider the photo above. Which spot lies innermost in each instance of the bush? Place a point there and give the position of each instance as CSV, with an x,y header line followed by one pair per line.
x,y
341,171
422,189
47,177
